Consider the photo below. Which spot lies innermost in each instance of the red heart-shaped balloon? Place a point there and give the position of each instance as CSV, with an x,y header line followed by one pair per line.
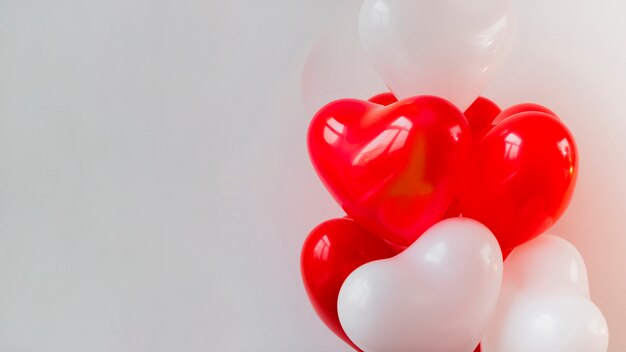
x,y
521,177
394,169
333,250
480,116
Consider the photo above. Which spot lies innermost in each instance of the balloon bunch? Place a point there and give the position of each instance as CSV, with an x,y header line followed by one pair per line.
x,y
435,199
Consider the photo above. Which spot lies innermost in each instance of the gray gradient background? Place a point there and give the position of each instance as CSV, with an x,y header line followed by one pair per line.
x,y
154,183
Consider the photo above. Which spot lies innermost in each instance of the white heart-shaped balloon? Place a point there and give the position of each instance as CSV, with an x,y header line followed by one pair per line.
x,y
448,48
544,305
436,296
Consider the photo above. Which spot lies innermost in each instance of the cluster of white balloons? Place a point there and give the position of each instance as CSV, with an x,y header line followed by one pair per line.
x,y
443,294
450,290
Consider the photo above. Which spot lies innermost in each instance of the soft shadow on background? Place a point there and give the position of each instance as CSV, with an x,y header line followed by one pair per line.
x,y
154,182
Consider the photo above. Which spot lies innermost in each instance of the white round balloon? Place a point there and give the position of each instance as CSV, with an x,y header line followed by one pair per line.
x,y
448,48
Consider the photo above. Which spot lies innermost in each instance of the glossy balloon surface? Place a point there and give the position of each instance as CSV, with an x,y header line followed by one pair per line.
x,y
519,108
331,252
521,177
384,99
436,296
448,48
481,115
394,169
548,262
544,305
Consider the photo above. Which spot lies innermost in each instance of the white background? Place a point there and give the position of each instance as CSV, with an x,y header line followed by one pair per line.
x,y
154,183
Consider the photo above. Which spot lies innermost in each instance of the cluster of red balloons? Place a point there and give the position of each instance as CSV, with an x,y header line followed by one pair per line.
x,y
399,167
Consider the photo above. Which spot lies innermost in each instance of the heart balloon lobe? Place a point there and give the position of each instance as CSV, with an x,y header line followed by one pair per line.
x,y
395,169
521,177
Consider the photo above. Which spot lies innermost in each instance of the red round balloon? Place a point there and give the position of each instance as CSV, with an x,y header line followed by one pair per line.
x,y
394,169
333,250
521,177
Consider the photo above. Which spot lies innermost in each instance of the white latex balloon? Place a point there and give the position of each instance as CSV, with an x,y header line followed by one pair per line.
x,y
548,262
544,305
436,296
448,48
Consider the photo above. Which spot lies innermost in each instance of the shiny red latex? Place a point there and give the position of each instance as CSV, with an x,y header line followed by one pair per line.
x,y
384,99
516,109
521,177
480,115
394,169
333,250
